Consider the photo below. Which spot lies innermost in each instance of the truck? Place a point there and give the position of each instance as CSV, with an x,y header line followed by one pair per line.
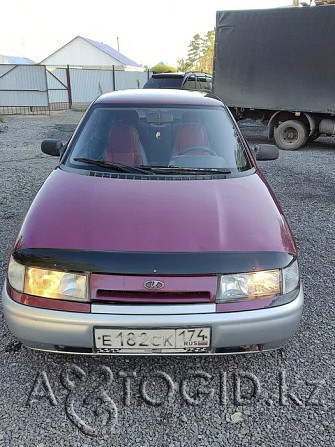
x,y
278,66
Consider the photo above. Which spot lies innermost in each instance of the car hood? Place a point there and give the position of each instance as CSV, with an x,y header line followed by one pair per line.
x,y
73,211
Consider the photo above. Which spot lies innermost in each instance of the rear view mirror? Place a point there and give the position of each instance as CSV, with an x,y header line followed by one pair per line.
x,y
159,117
52,147
265,152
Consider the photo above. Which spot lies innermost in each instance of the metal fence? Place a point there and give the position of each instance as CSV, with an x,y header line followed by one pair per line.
x,y
23,89
57,81
36,89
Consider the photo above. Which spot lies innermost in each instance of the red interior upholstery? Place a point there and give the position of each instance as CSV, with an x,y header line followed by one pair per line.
x,y
188,135
124,146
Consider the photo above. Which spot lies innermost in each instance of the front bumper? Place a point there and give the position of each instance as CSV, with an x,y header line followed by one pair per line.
x,y
233,332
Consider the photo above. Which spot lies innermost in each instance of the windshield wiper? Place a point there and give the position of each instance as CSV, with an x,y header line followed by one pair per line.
x,y
115,166
181,170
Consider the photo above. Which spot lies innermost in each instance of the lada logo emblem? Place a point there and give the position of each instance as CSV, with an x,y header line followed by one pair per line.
x,y
153,284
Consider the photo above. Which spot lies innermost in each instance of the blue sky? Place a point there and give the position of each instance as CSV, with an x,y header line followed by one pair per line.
x,y
148,32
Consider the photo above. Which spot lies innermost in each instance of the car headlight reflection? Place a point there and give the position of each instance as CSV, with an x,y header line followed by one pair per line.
x,y
47,283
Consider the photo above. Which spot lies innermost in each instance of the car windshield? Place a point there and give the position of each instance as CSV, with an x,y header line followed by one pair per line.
x,y
180,139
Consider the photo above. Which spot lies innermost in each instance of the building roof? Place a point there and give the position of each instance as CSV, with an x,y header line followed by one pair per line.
x,y
111,52
19,60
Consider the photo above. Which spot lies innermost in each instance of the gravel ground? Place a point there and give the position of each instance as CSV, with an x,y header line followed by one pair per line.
x,y
283,398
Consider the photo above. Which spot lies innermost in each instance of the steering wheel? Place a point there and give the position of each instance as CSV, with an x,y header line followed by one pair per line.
x,y
208,150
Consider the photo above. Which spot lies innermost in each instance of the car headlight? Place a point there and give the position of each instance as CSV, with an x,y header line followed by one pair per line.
x,y
47,283
258,285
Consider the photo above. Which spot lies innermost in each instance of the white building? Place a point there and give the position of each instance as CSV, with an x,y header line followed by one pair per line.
x,y
87,53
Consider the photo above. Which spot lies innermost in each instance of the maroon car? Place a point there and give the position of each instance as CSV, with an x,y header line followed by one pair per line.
x,y
155,234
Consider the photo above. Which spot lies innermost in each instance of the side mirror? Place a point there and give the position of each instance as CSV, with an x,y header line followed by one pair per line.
x,y
52,147
265,152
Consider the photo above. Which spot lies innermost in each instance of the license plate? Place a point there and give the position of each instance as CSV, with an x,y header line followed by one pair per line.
x,y
152,340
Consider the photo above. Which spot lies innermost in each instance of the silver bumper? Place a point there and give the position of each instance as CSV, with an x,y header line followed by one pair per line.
x,y
72,332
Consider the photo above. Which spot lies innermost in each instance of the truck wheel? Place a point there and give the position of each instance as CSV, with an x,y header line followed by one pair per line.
x,y
291,135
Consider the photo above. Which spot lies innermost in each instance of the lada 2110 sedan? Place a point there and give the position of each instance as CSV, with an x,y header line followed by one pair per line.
x,y
155,234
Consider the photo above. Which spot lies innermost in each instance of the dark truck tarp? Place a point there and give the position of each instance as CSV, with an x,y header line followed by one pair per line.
x,y
279,59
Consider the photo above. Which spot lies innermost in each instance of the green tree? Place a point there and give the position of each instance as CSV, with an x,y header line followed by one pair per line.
x,y
194,52
207,52
200,54
184,65
163,69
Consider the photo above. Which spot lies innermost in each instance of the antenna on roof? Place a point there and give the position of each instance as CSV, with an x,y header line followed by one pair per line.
x,y
118,44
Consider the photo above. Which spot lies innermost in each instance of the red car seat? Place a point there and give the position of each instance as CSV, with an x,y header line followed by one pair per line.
x,y
188,135
124,146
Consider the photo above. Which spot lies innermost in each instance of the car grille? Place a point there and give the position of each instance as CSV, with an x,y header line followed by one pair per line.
x,y
143,297
132,289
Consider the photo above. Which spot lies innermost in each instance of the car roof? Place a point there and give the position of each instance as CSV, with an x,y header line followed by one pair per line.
x,y
167,74
179,74
159,96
